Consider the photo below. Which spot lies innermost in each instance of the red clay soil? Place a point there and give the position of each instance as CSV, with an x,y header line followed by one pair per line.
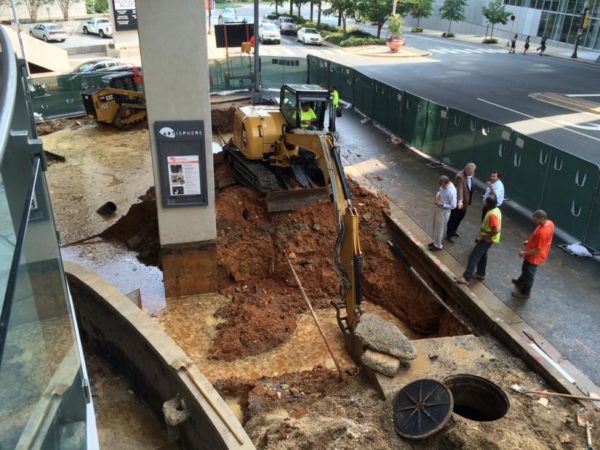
x,y
265,299
253,272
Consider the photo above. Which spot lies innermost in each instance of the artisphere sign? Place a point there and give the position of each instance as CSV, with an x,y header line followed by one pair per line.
x,y
125,15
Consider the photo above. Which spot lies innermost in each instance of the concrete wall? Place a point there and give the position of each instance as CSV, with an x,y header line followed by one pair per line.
x,y
526,21
112,326
45,12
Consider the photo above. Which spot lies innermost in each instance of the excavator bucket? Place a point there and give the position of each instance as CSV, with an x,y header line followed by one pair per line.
x,y
292,200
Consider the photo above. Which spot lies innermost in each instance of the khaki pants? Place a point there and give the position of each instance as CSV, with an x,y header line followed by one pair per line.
x,y
440,222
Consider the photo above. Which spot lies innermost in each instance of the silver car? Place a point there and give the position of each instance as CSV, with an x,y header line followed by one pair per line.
x,y
48,32
287,25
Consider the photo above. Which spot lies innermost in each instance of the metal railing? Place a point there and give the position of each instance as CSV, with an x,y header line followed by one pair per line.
x,y
8,89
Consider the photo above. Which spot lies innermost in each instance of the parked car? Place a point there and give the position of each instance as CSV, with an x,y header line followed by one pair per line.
x,y
80,76
309,36
287,25
270,18
98,25
49,32
229,12
268,32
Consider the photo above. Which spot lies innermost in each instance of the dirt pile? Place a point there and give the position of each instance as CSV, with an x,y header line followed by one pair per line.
x,y
253,272
138,229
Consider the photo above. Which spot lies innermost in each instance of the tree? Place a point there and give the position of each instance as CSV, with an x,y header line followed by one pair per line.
x,y
421,9
452,10
375,11
343,8
277,4
495,13
33,6
64,7
96,6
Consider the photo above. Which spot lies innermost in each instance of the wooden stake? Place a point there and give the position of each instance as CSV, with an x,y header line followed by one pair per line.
x,y
557,394
337,364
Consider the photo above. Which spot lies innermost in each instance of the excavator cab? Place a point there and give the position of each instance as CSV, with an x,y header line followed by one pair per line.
x,y
294,96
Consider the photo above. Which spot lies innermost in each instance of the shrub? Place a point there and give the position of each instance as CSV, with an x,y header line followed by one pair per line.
x,y
357,41
490,41
322,27
416,30
448,35
395,25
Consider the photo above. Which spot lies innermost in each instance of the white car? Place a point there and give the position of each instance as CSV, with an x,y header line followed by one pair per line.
x,y
99,26
287,25
48,32
268,32
309,36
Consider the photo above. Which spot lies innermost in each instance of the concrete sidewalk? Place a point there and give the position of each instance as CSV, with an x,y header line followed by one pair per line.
x,y
565,303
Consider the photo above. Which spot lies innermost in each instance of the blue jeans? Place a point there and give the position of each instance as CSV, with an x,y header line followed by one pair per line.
x,y
477,258
525,281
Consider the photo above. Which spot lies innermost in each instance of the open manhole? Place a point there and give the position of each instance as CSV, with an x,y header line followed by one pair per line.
x,y
477,398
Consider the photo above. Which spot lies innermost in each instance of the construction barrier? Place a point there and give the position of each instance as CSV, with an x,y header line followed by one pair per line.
x,y
414,120
571,185
435,130
492,148
363,93
460,138
528,170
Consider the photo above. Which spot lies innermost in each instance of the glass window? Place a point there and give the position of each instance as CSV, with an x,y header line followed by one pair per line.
x,y
288,108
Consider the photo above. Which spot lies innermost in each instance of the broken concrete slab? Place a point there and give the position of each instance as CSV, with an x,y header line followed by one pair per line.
x,y
380,362
382,336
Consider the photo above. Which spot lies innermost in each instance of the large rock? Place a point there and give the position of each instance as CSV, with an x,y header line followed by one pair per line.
x,y
380,362
382,336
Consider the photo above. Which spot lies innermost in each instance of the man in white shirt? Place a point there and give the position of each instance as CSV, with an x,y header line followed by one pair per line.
x,y
493,187
444,201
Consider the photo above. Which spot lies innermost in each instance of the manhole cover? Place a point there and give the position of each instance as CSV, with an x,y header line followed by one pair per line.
x,y
422,408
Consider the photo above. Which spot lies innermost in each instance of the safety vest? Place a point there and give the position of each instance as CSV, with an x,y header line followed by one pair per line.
x,y
308,116
336,98
485,226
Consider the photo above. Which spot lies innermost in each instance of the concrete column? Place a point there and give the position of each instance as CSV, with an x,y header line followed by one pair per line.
x,y
175,64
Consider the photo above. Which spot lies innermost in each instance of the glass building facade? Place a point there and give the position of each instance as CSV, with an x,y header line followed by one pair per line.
x,y
561,18
45,399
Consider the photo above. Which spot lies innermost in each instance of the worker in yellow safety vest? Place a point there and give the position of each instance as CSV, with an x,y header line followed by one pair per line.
x,y
489,233
335,101
308,117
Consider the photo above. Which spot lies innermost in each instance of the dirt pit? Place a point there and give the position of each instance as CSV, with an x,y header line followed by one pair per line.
x,y
255,341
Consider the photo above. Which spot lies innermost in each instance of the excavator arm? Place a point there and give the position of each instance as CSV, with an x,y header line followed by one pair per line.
x,y
347,255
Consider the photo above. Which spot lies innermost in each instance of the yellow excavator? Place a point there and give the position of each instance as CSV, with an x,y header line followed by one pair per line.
x,y
119,101
281,155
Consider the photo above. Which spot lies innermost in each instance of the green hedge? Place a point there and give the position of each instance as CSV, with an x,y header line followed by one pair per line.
x,y
352,38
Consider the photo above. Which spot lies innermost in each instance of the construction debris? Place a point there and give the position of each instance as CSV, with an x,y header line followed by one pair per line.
x,y
380,335
380,362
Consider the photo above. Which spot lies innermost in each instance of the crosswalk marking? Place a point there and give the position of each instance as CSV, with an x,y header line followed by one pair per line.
x,y
446,50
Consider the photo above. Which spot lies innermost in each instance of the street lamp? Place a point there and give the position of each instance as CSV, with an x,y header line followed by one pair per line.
x,y
584,22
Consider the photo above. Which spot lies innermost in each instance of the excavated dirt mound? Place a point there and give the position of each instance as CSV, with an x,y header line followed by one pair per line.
x,y
253,271
254,274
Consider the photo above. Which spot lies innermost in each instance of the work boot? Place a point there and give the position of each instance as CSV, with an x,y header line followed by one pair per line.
x,y
479,277
518,294
462,280
515,281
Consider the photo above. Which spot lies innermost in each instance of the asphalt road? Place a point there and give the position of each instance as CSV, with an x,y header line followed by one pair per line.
x,y
490,83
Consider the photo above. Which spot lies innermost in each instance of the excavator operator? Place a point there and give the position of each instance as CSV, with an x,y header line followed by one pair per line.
x,y
308,118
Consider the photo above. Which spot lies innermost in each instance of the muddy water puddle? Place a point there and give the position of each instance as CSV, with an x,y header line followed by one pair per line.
x,y
121,268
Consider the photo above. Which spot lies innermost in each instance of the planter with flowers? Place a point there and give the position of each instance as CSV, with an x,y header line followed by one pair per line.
x,y
395,25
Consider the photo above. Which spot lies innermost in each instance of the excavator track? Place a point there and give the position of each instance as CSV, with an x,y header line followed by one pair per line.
x,y
128,115
251,173
266,181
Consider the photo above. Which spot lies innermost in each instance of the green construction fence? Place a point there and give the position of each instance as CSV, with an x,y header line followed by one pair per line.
x,y
535,174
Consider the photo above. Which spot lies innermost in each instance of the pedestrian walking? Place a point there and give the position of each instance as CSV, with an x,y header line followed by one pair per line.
x,y
444,201
464,194
489,234
535,252
542,47
513,44
526,47
493,187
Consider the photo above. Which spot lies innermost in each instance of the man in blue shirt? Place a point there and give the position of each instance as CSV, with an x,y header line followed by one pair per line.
x,y
493,187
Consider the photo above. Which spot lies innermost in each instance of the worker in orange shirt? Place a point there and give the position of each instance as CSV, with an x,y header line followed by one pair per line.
x,y
534,253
